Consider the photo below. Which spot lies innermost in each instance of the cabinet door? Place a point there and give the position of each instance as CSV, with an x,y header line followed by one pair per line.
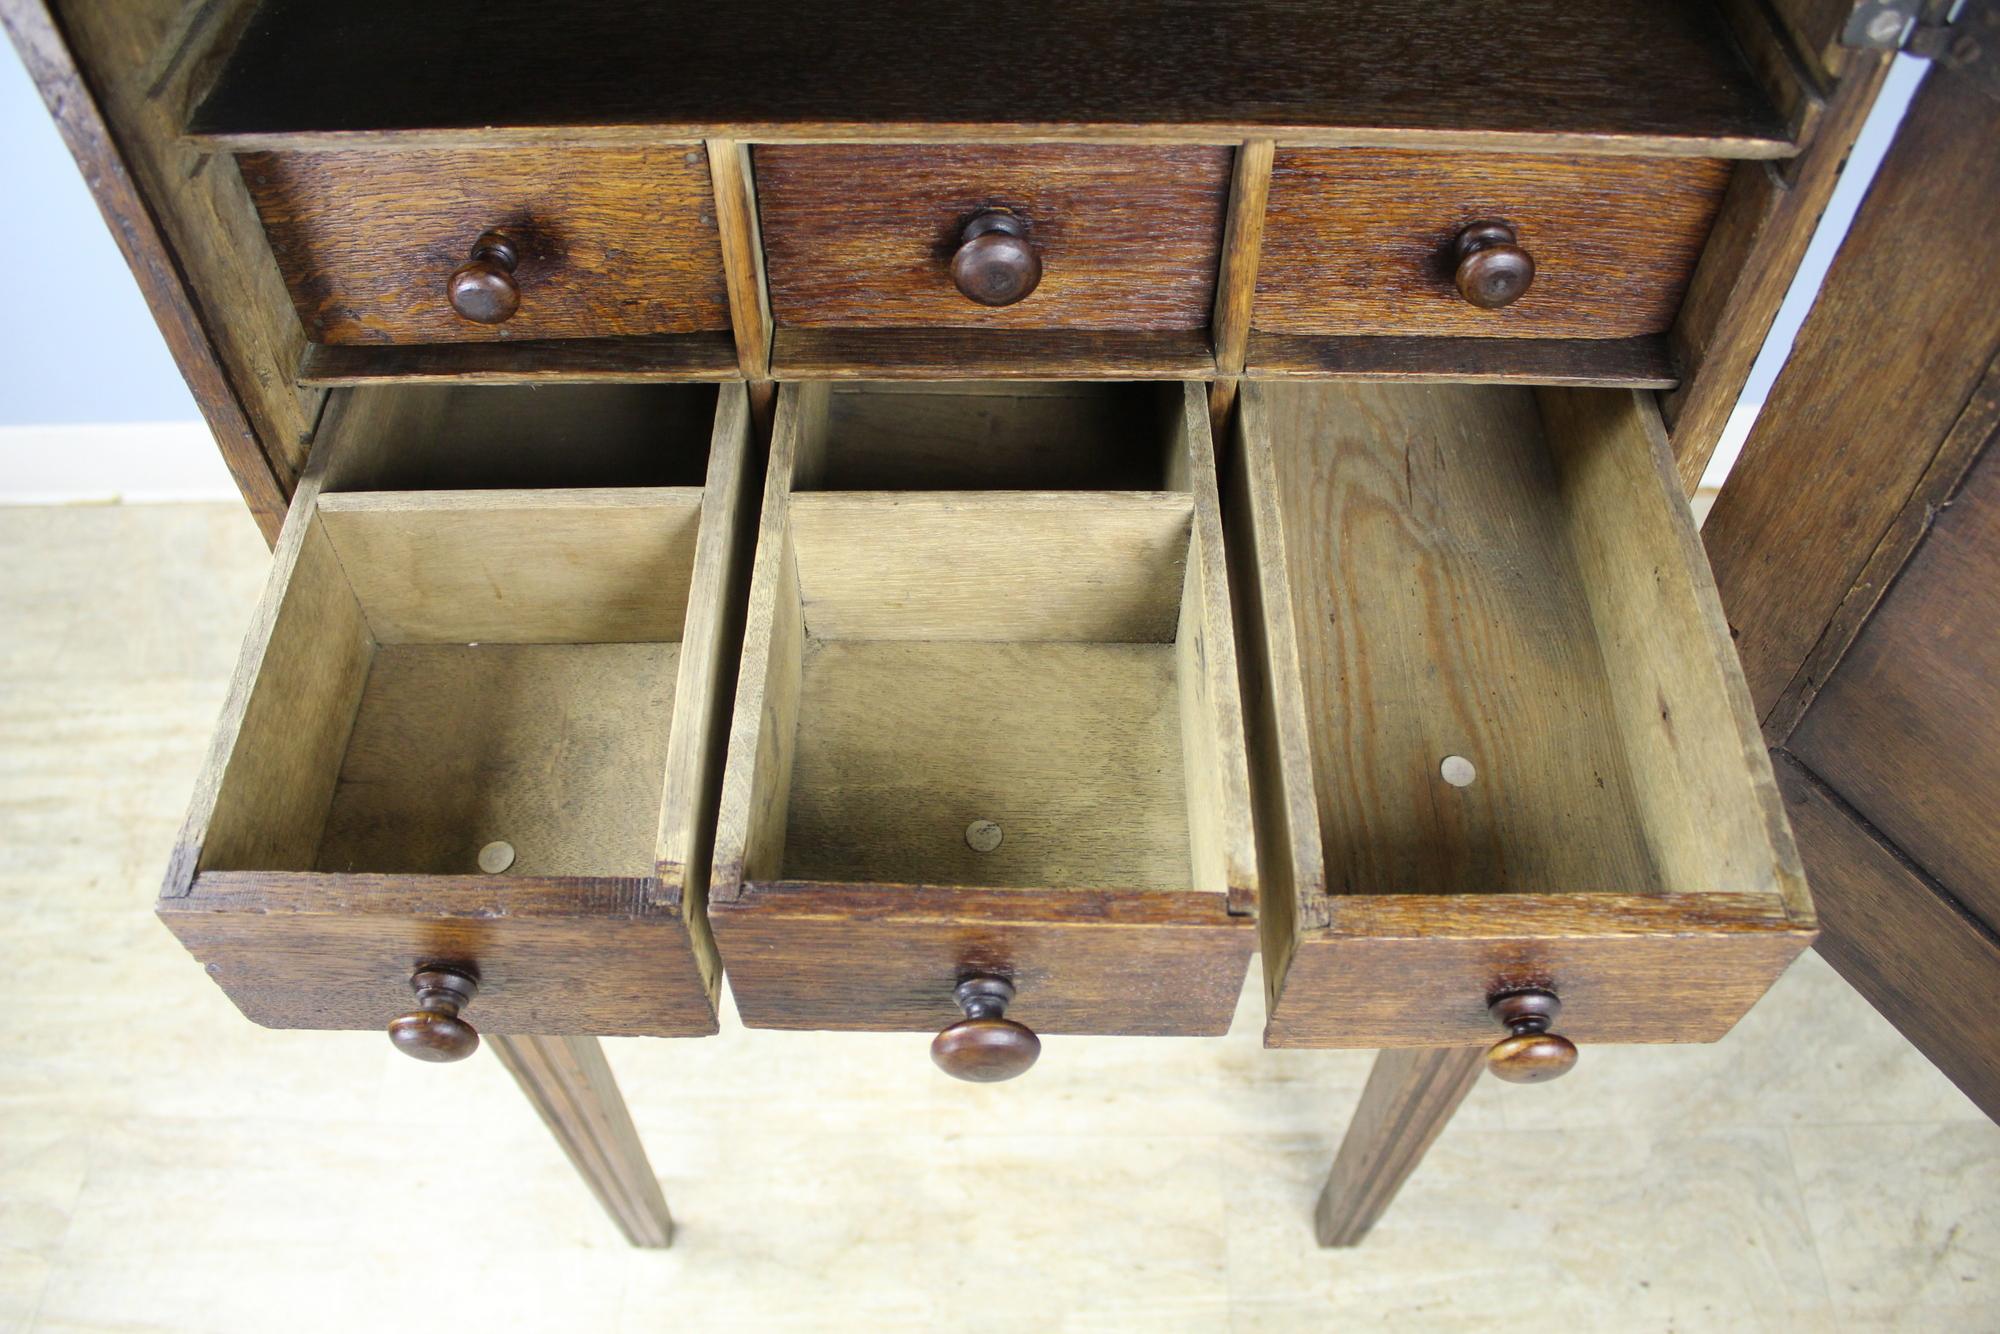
x,y
1857,551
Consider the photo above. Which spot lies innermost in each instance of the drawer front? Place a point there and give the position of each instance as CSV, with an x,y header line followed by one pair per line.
x,y
476,731
888,958
550,955
864,237
1365,241
610,242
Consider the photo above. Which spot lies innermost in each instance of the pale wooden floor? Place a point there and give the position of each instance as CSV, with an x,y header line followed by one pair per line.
x,y
165,1165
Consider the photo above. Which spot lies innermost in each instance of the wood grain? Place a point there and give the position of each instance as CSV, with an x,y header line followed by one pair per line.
x,y
1359,241
1860,410
1970,438
1645,362
571,956
1291,864
262,790
1214,754
736,217
1816,25
1702,790
286,721
1641,76
695,356
861,237
570,746
1907,730
1789,77
1440,611
1003,436
847,892
570,1085
988,354
1242,249
432,438
757,775
1013,566
614,242
585,565
1900,939
1416,970
885,957
1574,607
1759,239
711,638
1074,750
556,749
1408,1101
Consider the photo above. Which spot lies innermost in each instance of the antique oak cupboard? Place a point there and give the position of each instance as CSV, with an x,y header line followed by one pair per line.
x,y
976,527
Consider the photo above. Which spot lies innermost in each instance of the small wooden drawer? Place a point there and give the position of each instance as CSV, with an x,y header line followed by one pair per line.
x,y
454,653
607,242
1499,736
871,236
987,722
1366,242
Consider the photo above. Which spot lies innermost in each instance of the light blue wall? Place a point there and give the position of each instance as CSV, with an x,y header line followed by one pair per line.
x,y
77,343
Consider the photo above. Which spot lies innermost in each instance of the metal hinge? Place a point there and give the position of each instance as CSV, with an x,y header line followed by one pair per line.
x,y
1960,31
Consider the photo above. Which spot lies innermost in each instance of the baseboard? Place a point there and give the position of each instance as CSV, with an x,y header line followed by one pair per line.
x,y
111,461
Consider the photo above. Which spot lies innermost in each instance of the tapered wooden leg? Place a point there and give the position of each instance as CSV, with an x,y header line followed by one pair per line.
x,y
570,1084
1409,1098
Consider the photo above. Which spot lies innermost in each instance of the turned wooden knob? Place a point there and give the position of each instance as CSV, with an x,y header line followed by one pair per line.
x,y
995,265
433,1031
985,1047
483,289
1529,1054
1493,270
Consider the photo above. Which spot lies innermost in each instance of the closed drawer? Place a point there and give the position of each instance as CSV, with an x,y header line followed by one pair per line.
x,y
606,242
1500,739
987,723
1366,242
870,237
475,726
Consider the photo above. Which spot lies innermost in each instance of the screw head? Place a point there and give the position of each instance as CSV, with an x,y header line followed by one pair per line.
x,y
1886,27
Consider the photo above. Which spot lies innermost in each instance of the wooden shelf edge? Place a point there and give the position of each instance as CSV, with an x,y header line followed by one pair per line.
x,y
698,356
1618,363
989,354
220,138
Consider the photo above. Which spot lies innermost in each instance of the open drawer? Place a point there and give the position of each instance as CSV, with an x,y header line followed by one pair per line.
x,y
1500,740
476,731
987,723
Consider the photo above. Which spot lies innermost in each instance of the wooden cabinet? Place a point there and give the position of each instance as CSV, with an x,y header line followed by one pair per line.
x,y
985,294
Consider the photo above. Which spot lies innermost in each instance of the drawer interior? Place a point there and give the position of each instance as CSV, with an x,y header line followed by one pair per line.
x,y
468,437
1495,704
989,678
465,654
479,718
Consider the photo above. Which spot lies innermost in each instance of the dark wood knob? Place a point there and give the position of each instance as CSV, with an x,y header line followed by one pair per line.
x,y
985,1047
1493,270
433,1031
995,264
1529,1054
483,288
